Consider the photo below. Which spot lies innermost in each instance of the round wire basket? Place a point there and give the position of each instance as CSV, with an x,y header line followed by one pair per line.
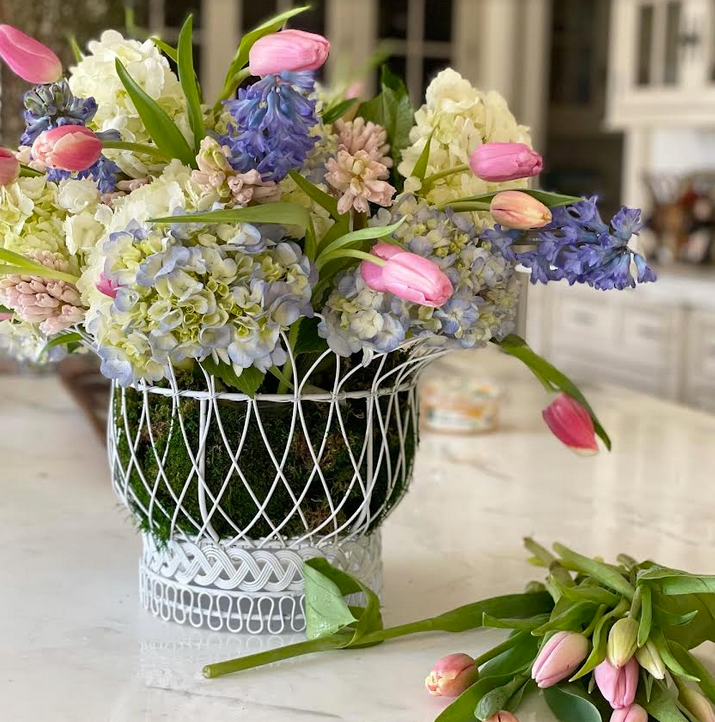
x,y
234,493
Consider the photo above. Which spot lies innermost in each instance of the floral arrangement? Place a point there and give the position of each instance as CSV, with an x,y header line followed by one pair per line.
x,y
600,641
166,234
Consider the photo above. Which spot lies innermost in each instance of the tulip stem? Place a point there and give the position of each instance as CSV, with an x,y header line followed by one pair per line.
x,y
431,179
136,148
490,654
27,172
348,253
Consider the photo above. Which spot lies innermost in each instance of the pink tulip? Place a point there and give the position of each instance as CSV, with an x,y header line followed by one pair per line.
x,y
571,424
498,162
618,686
107,286
502,716
634,713
9,167
27,57
69,147
407,275
293,50
451,676
514,209
559,657
6,316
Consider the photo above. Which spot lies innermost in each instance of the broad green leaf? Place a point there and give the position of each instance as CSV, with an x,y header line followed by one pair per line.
x,y
66,339
646,619
165,48
569,621
608,576
570,703
551,377
665,619
549,199
497,699
338,110
364,234
323,199
693,666
512,661
420,169
309,340
671,614
518,697
187,78
597,595
247,41
661,705
162,129
27,172
675,582
247,383
36,270
522,624
285,214
463,708
661,644
326,611
18,259
470,616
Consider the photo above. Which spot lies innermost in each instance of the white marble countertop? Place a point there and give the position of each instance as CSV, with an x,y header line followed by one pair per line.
x,y
77,648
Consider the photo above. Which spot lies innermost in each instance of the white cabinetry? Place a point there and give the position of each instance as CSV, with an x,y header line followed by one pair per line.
x,y
657,340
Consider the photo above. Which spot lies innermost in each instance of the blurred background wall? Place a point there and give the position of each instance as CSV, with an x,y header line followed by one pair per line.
x,y
620,96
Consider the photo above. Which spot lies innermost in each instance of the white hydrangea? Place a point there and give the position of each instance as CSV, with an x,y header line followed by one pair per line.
x,y
24,342
95,75
460,118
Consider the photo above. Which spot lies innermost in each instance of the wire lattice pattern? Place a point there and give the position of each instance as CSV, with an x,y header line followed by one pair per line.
x,y
233,493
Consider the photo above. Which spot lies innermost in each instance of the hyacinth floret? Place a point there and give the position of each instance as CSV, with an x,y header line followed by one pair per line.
x,y
270,123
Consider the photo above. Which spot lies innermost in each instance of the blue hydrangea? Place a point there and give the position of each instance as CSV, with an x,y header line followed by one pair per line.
x,y
483,305
270,123
579,247
52,105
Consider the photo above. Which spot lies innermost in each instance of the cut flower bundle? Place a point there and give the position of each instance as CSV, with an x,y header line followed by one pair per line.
x,y
603,641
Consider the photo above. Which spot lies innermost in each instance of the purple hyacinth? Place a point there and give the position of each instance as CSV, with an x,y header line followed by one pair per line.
x,y
579,247
50,106
104,173
270,125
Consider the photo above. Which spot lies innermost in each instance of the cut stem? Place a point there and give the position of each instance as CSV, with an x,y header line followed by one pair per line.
x,y
135,148
431,179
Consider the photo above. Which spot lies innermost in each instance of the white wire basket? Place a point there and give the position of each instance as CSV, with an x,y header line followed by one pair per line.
x,y
233,493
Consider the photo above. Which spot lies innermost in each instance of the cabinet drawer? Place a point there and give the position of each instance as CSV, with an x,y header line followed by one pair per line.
x,y
584,322
646,334
701,348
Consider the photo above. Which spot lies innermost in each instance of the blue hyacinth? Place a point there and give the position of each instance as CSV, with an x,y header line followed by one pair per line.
x,y
270,125
104,173
579,247
50,106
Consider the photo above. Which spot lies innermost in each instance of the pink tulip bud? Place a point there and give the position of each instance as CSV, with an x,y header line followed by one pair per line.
x,y
356,90
514,209
618,686
634,713
502,716
407,275
6,316
498,162
27,57
559,657
571,424
293,50
9,167
69,147
697,704
451,676
107,286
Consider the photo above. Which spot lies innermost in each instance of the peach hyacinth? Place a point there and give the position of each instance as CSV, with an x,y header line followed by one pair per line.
x,y
360,179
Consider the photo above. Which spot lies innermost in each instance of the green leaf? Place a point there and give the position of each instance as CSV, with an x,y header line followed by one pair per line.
x,y
247,41
420,169
364,234
696,668
65,339
162,129
187,78
247,383
608,576
675,582
518,697
597,595
462,709
514,660
309,340
165,48
18,259
661,705
599,643
393,111
646,619
549,199
551,377
571,704
688,619
569,621
326,611
521,624
323,199
75,48
27,172
661,644
338,110
285,214
497,699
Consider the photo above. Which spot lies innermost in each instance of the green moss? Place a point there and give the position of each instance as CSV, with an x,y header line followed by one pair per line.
x,y
277,496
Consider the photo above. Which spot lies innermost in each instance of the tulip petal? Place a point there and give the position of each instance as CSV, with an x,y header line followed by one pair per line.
x,y
28,58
